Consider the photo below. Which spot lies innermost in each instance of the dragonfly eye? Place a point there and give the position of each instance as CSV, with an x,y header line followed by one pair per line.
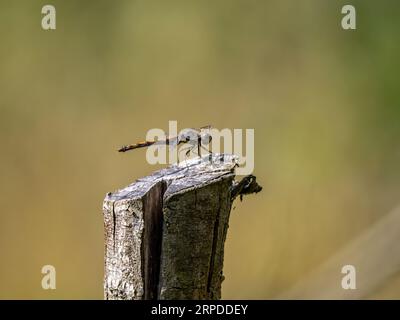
x,y
191,136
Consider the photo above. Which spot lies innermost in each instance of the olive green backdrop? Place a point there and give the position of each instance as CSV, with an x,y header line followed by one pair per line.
x,y
324,103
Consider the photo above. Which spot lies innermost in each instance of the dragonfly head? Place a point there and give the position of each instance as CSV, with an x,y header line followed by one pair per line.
x,y
188,135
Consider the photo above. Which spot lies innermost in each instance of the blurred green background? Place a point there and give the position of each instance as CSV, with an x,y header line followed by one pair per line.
x,y
324,103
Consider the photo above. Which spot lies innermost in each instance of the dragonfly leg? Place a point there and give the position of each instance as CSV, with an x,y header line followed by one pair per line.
x,y
209,152
187,151
198,147
204,148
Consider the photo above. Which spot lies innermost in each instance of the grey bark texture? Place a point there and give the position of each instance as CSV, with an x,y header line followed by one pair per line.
x,y
165,233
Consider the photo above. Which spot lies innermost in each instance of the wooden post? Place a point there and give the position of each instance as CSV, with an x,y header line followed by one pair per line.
x,y
165,233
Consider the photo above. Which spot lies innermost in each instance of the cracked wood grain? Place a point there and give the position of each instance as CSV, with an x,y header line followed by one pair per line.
x,y
165,233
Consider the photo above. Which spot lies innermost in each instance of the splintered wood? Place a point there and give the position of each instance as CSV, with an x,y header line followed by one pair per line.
x,y
165,233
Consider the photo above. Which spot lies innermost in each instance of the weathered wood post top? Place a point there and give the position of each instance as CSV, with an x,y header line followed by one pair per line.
x,y
165,233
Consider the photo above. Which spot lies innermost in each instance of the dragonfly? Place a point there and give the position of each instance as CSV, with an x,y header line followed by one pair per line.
x,y
199,138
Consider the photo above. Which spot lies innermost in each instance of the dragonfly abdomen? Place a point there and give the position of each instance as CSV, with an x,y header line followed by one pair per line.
x,y
136,146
